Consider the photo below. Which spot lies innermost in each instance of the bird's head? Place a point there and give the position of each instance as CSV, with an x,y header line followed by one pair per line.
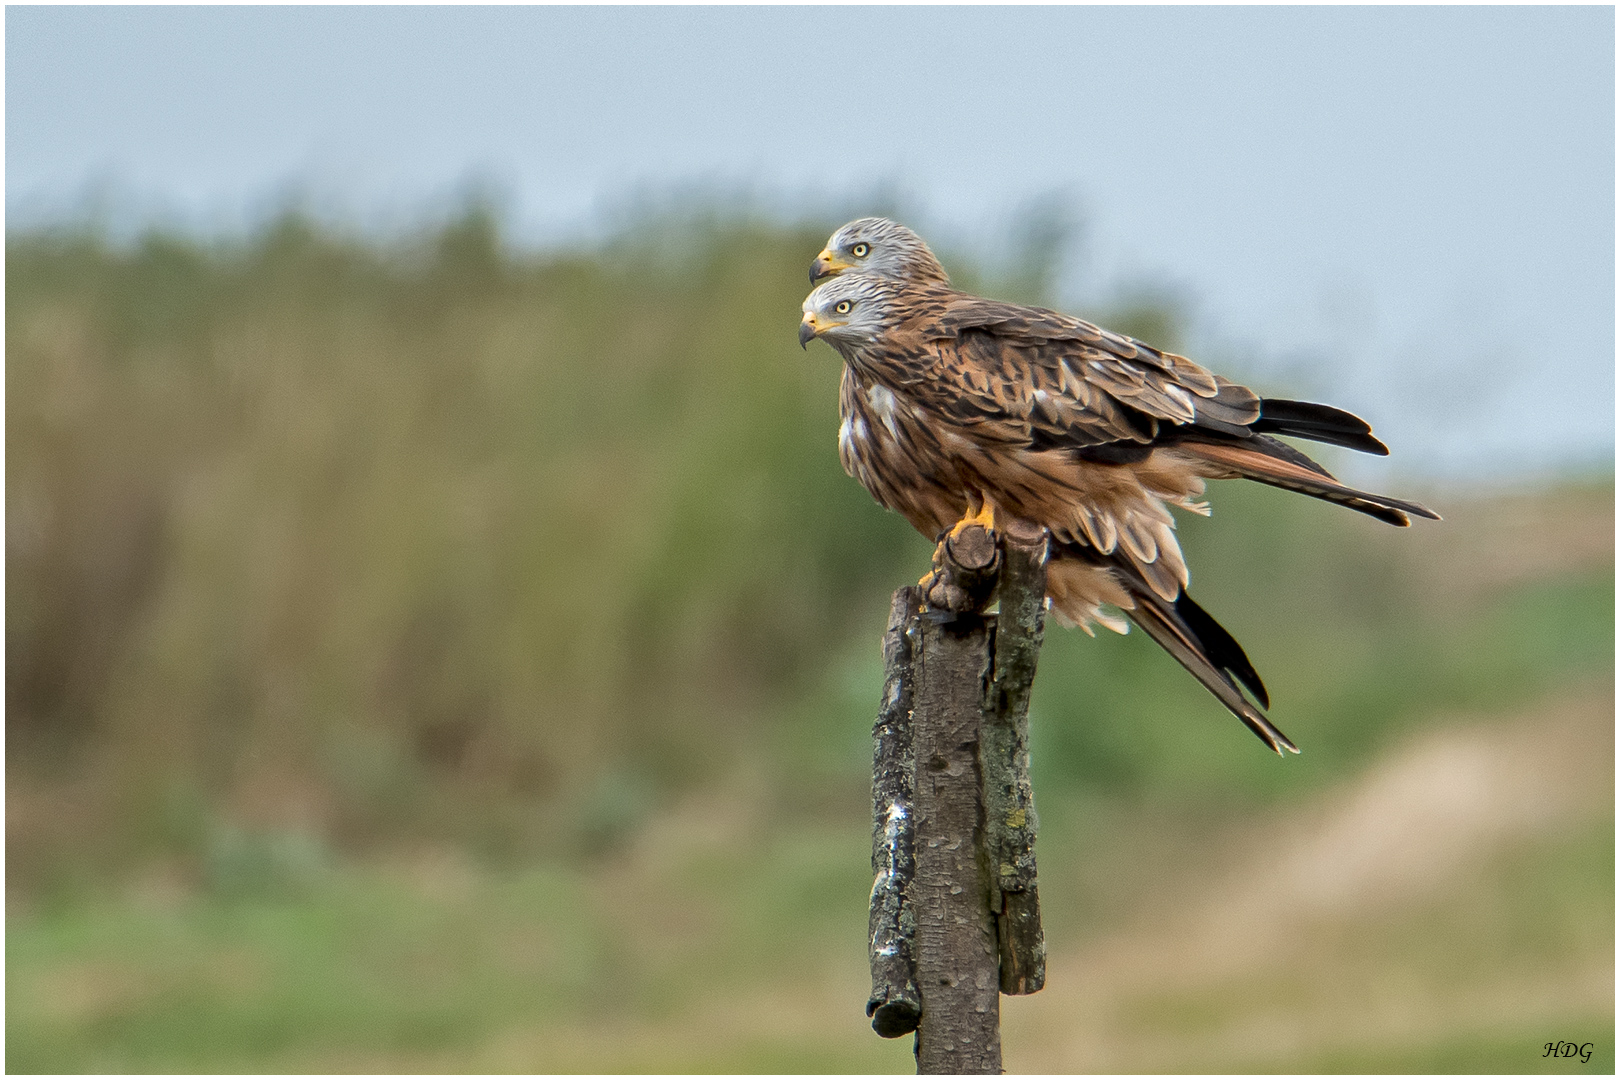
x,y
880,247
848,312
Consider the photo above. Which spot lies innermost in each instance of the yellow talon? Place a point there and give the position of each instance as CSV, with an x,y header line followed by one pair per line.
x,y
986,517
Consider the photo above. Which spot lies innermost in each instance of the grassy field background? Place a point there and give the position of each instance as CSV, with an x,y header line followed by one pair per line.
x,y
427,657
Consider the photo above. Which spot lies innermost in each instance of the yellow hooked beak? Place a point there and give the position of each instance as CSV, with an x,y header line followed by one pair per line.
x,y
809,327
826,263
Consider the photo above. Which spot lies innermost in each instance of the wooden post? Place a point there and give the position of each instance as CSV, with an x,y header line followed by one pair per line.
x,y
894,1005
957,959
955,919
1009,799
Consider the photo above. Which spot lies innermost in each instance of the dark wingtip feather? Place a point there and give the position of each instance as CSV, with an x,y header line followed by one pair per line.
x,y
1402,505
1221,647
1321,423
1167,626
1309,412
1265,730
1272,737
1382,513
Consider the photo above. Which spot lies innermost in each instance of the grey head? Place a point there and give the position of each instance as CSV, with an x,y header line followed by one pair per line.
x,y
850,312
880,247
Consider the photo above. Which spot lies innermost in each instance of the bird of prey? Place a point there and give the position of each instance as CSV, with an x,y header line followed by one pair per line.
x,y
956,409
878,246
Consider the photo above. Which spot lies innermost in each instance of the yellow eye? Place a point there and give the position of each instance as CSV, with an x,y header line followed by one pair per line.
x,y
843,307
860,250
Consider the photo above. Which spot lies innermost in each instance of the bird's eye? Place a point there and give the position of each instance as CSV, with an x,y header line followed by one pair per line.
x,y
843,307
860,250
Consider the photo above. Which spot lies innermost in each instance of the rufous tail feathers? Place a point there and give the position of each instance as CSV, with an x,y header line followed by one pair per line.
x,y
1266,463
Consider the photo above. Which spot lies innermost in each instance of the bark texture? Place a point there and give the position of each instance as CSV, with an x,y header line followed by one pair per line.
x,y
955,916
965,568
957,956
1009,798
894,1006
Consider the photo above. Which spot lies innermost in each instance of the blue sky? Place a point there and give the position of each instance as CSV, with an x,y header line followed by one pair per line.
x,y
1407,211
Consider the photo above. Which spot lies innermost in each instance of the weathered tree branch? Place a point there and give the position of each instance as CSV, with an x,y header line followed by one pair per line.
x,y
894,1005
957,959
1004,743
955,917
965,568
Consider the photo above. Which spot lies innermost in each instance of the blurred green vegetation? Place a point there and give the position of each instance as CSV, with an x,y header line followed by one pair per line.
x,y
372,607
431,542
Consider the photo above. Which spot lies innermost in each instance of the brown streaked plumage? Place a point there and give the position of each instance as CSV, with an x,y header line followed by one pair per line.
x,y
952,402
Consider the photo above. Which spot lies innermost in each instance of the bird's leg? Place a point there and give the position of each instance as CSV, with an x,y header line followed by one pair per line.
x,y
933,582
985,516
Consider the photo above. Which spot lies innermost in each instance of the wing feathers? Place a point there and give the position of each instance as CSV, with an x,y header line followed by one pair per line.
x,y
1322,423
1090,433
1221,648
1164,624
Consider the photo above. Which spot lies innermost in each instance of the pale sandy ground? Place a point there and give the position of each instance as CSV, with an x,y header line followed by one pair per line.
x,y
1412,831
1491,544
